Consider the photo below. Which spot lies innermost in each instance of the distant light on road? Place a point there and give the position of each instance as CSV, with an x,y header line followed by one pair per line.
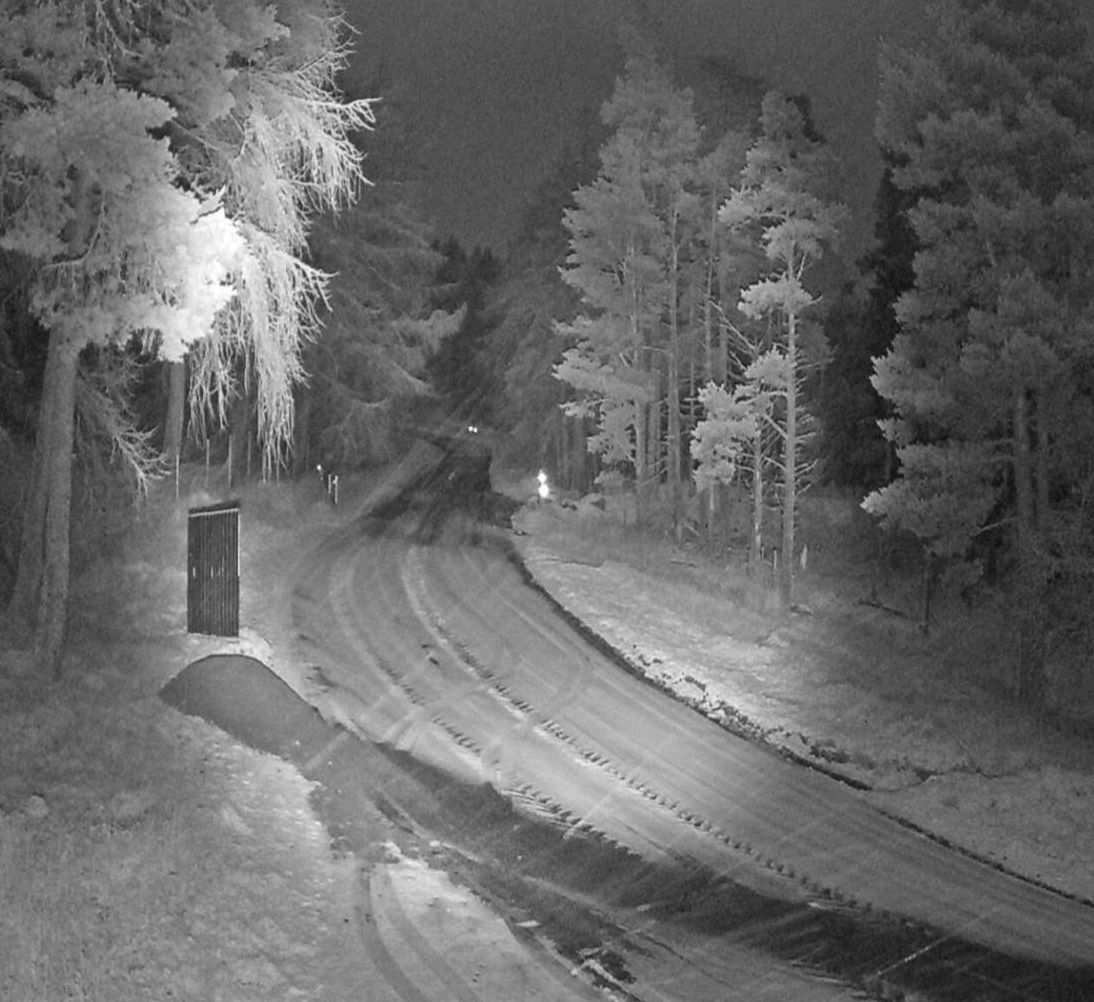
x,y
544,489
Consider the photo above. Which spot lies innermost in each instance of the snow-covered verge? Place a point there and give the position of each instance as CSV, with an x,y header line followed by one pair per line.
x,y
145,854
148,855
842,691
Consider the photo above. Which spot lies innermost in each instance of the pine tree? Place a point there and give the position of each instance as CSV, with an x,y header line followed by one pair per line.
x,y
779,201
159,164
368,361
619,281
859,327
461,369
628,233
991,128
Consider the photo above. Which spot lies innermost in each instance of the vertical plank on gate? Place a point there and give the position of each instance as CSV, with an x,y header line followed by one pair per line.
x,y
212,571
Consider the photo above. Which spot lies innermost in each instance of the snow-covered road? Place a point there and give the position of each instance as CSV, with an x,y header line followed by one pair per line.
x,y
444,651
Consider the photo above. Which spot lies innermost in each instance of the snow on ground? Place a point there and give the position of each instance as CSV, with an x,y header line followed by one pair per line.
x,y
940,755
239,894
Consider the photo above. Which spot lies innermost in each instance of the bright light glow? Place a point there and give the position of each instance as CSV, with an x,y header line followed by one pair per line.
x,y
544,489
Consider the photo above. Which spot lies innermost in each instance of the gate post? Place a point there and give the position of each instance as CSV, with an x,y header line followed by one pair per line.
x,y
212,570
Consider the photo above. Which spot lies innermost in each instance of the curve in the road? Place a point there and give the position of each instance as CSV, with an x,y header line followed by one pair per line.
x,y
545,711
409,634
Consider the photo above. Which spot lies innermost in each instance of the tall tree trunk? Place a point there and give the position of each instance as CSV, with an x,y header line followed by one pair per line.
x,y
23,608
640,457
56,430
641,364
653,438
567,470
40,600
673,431
1042,478
672,391
708,293
589,464
239,431
790,459
579,454
756,543
1030,595
562,463
655,443
711,370
176,410
41,588
302,465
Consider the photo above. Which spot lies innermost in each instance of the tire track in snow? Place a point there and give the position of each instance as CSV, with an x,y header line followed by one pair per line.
x,y
861,858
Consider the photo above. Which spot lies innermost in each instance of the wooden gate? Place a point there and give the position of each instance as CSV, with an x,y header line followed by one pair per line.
x,y
212,571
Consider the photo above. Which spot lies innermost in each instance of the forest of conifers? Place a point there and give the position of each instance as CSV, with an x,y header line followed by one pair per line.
x,y
676,318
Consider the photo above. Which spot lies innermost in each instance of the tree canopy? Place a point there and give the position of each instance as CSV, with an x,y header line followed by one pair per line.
x,y
627,229
990,128
159,166
379,330
779,202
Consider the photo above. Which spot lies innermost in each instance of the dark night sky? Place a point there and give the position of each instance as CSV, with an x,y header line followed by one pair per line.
x,y
494,86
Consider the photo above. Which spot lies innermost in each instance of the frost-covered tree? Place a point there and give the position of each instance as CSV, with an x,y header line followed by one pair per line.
x,y
619,281
991,125
780,201
378,332
125,250
159,162
367,364
628,229
729,439
265,124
